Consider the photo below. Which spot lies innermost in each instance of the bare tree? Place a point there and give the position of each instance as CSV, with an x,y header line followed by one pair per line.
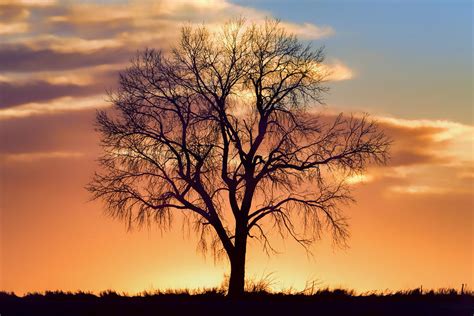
x,y
222,129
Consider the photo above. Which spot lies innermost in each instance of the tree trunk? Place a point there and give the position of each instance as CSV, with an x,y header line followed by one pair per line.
x,y
237,264
237,274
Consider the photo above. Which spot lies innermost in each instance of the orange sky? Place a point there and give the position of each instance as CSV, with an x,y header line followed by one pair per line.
x,y
412,224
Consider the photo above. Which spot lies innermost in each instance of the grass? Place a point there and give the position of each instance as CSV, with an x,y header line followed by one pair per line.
x,y
257,301
221,293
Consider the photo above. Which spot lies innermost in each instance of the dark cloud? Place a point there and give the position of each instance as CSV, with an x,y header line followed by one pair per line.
x,y
74,130
38,91
21,58
410,145
92,30
12,94
11,13
413,156
414,145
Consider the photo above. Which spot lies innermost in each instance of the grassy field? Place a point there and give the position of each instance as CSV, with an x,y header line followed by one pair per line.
x,y
213,302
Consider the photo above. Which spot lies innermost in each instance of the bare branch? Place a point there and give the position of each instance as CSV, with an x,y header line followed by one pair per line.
x,y
223,129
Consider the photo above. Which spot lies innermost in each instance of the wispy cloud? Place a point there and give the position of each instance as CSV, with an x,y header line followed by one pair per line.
x,y
420,189
62,44
19,58
59,57
35,156
13,28
309,31
337,71
56,55
39,3
450,139
81,77
41,91
60,105
429,157
359,178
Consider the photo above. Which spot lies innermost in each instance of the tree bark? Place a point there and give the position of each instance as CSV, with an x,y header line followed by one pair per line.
x,y
237,276
237,265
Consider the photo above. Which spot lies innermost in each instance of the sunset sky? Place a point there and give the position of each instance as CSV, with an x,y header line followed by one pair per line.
x,y
407,63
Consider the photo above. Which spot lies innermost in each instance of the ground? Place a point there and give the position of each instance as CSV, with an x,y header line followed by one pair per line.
x,y
337,302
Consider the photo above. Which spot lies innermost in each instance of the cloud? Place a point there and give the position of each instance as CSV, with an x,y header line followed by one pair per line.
x,y
29,3
359,178
12,28
13,18
429,157
448,129
35,156
415,156
83,27
420,189
43,86
21,58
55,52
39,91
13,13
60,105
93,75
309,31
337,71
70,44
452,142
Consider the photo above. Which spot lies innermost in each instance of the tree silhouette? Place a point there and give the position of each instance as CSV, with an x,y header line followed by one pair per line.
x,y
222,129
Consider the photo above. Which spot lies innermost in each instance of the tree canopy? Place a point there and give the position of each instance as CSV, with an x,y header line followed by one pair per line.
x,y
224,128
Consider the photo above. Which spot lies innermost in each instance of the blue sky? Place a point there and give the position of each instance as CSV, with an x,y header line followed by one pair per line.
x,y
412,59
